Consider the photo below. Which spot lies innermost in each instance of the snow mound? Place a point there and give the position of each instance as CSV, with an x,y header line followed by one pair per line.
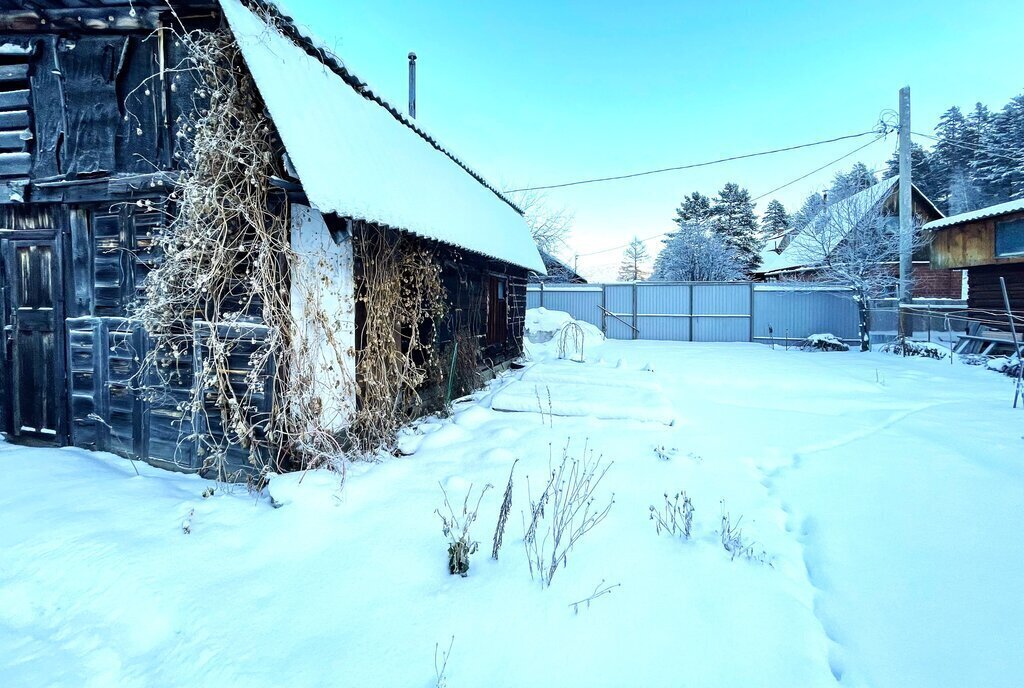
x,y
556,334
605,401
315,489
825,341
1007,365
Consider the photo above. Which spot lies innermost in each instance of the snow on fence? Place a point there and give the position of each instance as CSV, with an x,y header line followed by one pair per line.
x,y
704,311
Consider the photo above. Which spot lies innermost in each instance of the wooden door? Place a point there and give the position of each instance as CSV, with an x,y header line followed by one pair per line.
x,y
33,336
497,310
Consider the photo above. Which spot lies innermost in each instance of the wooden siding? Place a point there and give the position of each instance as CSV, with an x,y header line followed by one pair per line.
x,y
984,292
970,245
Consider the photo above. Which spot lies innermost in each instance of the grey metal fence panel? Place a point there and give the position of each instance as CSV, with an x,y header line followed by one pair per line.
x,y
704,311
663,311
580,302
618,300
793,314
721,312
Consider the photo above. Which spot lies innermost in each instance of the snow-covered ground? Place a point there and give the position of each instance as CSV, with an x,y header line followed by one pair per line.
x,y
886,493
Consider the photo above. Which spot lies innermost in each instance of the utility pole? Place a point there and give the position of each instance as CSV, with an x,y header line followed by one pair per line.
x,y
906,209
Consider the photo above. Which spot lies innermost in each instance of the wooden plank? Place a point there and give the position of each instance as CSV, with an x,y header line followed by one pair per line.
x,y
14,72
15,119
15,140
14,100
15,164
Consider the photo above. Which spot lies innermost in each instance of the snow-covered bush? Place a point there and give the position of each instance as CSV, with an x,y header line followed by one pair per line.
x,y
564,512
824,342
456,528
676,517
902,346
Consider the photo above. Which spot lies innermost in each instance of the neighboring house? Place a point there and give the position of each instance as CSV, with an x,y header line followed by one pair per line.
x,y
987,243
93,112
787,256
557,271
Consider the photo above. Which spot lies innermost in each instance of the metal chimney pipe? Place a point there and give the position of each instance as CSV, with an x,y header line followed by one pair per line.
x,y
412,85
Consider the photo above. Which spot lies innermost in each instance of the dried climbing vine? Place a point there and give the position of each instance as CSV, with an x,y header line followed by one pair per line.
x,y
398,286
223,282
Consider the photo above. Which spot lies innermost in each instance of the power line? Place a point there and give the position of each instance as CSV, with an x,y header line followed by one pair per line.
x,y
615,248
973,148
883,129
753,200
818,169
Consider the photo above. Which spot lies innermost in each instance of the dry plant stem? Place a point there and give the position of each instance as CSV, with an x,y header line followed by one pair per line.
x,y
676,518
600,590
506,507
442,681
568,505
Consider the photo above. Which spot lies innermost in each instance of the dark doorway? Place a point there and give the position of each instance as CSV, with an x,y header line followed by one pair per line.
x,y
33,341
497,309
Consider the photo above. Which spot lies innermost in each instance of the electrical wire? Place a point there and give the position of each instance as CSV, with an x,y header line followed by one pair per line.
x,y
974,148
881,129
818,169
753,200
788,183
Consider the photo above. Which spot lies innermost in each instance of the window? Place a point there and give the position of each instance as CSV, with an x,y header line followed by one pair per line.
x,y
1010,238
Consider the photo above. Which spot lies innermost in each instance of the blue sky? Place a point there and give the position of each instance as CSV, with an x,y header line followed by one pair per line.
x,y
532,93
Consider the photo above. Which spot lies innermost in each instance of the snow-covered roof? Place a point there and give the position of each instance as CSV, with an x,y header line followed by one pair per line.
x,y
357,157
979,214
804,251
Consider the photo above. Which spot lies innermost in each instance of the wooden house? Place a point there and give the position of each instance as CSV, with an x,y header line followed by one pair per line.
x,y
988,243
97,121
788,257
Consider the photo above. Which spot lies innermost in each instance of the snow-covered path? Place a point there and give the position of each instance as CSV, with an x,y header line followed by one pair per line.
x,y
887,492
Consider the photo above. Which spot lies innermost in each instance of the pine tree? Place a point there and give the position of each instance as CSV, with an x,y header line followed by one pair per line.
x,y
964,195
633,258
951,151
733,219
695,208
996,172
846,184
921,172
812,205
775,220
696,254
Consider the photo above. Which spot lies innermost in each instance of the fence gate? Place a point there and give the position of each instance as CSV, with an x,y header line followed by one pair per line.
x,y
704,311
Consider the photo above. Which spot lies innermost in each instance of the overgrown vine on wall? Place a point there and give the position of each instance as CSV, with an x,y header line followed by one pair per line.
x,y
398,286
226,261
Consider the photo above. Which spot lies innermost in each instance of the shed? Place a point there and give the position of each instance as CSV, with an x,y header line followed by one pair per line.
x,y
789,257
988,243
104,106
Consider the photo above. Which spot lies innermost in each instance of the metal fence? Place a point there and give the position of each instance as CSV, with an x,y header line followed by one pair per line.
x,y
704,311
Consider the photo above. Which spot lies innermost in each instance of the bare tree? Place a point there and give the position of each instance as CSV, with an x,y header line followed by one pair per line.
x,y
854,243
633,258
548,224
697,254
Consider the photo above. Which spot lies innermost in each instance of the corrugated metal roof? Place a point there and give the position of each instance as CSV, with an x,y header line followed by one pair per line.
x,y
979,214
355,160
802,252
